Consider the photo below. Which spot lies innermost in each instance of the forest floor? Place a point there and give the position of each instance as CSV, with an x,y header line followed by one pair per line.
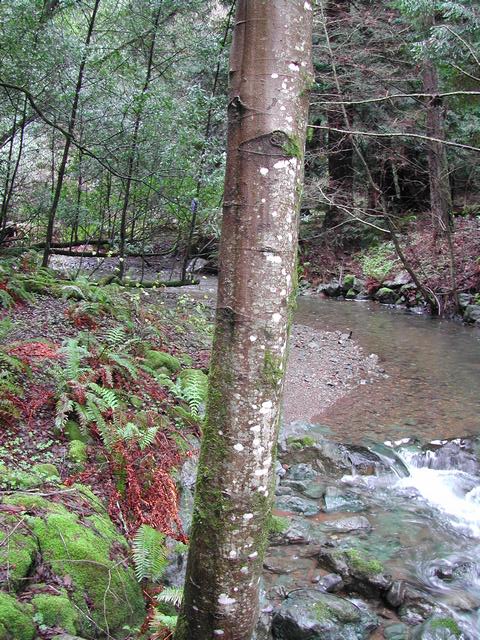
x,y
94,380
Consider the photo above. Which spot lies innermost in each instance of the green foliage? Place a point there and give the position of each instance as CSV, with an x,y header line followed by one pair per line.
x,y
192,386
378,261
277,524
171,595
149,554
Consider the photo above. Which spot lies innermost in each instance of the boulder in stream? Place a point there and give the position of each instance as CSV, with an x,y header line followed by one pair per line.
x,y
313,615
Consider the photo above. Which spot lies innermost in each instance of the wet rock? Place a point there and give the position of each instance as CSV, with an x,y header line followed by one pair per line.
x,y
297,505
464,299
315,490
283,491
400,280
331,583
398,631
300,472
385,295
301,531
414,605
345,525
337,499
360,573
330,289
472,313
295,485
307,614
460,454
438,628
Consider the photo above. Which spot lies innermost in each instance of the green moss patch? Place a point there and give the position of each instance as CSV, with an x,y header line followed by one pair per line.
x,y
55,611
15,619
159,359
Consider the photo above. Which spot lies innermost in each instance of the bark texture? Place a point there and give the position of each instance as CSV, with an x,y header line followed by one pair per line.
x,y
440,194
340,147
270,75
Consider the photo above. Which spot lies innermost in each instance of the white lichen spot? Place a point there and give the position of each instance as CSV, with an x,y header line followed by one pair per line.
x,y
264,171
307,6
247,516
281,164
261,472
232,554
283,292
261,489
263,200
257,442
276,317
274,75
293,67
244,570
235,589
255,429
289,119
239,447
274,259
283,108
224,600
253,555
253,338
266,406
219,632
220,433
274,214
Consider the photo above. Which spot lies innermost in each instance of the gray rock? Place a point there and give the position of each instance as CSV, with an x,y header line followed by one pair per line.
x,y
359,572
345,525
330,583
295,485
302,471
315,490
385,295
438,628
464,299
472,313
337,499
400,280
313,615
398,631
332,288
283,491
297,505
414,605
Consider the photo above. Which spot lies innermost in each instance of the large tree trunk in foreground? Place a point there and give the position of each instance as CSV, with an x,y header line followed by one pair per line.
x,y
269,79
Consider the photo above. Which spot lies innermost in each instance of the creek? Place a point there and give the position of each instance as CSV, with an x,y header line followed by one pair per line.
x,y
403,490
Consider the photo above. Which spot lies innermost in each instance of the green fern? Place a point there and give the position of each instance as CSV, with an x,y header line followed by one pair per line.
x,y
193,387
115,336
171,595
63,409
6,300
162,620
149,553
75,354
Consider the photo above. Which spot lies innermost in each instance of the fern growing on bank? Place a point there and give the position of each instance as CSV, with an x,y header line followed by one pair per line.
x,y
149,554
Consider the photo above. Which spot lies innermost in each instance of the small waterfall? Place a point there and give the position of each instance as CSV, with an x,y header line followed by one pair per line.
x,y
449,484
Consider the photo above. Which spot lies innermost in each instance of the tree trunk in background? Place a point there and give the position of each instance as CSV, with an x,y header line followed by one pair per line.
x,y
268,105
440,194
340,148
68,141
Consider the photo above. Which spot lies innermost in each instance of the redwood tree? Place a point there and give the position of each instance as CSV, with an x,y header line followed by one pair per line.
x,y
270,73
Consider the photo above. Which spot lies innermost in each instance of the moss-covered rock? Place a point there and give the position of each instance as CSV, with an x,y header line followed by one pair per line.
x,y
385,295
77,452
15,619
17,553
158,359
46,471
72,539
74,432
55,611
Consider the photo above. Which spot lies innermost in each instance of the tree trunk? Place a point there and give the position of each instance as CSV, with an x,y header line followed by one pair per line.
x,y
340,148
268,104
133,150
68,140
440,194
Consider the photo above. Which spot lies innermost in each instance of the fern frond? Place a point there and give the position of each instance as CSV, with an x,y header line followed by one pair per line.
x,y
63,408
115,336
72,291
6,300
124,363
193,385
149,553
171,595
162,620
108,396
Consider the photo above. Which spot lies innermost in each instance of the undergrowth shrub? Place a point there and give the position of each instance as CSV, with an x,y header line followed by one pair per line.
x,y
377,262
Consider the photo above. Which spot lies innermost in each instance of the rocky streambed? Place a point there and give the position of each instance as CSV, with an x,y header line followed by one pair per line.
x,y
376,543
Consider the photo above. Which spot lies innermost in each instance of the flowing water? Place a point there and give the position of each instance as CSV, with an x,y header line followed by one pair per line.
x,y
433,367
426,522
